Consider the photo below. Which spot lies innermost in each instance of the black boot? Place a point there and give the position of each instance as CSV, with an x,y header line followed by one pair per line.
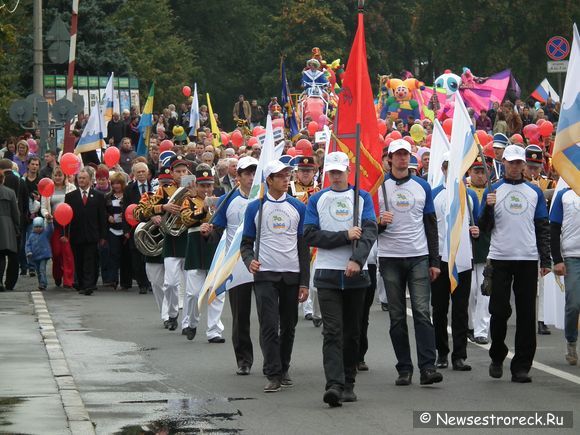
x,y
543,329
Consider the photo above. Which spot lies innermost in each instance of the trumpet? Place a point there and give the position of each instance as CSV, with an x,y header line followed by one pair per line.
x,y
171,223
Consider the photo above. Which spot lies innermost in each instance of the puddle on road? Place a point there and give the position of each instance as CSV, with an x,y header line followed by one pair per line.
x,y
188,417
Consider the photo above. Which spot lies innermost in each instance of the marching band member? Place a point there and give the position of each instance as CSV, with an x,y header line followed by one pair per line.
x,y
281,270
341,273
198,257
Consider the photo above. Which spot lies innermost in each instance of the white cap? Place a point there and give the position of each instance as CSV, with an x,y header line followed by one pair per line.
x,y
514,152
399,144
336,161
246,162
274,167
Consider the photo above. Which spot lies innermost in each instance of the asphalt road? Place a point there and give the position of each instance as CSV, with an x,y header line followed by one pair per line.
x,y
134,375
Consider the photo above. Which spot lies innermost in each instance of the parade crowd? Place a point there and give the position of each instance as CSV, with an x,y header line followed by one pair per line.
x,y
300,243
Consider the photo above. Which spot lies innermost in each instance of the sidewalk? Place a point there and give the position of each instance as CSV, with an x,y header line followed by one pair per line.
x,y
37,393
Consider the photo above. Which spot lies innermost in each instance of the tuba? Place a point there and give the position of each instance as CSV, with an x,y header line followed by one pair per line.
x,y
171,223
148,239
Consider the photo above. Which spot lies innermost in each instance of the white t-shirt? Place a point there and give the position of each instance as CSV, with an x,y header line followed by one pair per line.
x,y
513,236
409,202
231,214
282,224
332,210
566,212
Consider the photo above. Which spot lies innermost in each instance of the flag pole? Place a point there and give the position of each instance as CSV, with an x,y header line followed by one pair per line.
x,y
356,206
482,156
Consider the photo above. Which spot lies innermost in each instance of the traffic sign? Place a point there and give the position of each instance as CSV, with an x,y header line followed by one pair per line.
x,y
558,48
557,66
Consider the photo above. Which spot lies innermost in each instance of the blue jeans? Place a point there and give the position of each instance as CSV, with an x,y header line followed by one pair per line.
x,y
572,283
40,268
397,274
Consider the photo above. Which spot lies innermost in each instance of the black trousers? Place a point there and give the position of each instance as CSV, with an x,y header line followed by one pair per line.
x,y
241,304
9,262
524,276
138,266
342,311
86,264
277,304
369,298
440,295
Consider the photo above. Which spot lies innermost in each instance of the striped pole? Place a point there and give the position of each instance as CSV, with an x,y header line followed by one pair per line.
x,y
69,141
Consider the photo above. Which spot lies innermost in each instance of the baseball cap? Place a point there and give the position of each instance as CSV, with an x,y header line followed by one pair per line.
x,y
500,140
274,167
336,161
246,162
399,144
514,152
534,155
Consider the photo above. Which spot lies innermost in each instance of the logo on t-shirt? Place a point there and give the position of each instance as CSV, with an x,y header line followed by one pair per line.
x,y
402,200
515,203
341,209
278,221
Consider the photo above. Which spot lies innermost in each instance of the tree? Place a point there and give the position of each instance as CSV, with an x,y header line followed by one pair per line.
x,y
155,49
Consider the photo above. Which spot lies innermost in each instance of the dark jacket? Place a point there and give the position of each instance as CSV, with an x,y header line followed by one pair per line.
x,y
116,131
89,223
9,220
18,185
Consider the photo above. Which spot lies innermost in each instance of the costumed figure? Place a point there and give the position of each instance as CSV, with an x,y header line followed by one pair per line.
x,y
401,105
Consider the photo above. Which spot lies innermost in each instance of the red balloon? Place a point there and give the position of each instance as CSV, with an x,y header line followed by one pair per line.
x,y
409,139
303,148
129,215
447,126
428,140
482,137
225,138
63,214
546,129
312,127
165,145
291,151
252,141
382,125
46,187
70,164
237,138
278,123
112,156
388,141
488,151
395,134
540,121
258,130
532,133
186,90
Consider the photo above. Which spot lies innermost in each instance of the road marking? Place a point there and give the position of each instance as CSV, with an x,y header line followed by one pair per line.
x,y
536,365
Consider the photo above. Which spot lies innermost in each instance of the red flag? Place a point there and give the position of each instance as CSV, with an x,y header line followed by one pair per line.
x,y
356,106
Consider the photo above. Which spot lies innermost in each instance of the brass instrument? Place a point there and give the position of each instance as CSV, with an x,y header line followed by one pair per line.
x,y
148,239
171,223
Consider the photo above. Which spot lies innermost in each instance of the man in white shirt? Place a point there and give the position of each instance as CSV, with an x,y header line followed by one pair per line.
x,y
280,262
516,214
409,256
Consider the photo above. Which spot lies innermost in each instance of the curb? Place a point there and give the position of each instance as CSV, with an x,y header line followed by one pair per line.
x,y
76,413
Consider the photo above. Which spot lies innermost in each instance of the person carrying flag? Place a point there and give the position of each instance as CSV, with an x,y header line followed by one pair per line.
x,y
341,273
228,217
274,251
516,214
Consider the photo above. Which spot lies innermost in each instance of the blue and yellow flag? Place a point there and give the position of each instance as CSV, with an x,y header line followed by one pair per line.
x,y
566,155
92,137
287,106
463,151
145,124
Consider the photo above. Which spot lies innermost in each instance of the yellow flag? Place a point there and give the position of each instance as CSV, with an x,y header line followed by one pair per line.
x,y
215,131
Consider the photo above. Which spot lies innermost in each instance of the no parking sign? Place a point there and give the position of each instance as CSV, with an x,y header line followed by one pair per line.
x,y
558,48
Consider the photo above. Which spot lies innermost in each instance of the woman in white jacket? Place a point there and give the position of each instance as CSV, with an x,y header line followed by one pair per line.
x,y
62,256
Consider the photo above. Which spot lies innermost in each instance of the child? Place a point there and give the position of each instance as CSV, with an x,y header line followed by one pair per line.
x,y
38,249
